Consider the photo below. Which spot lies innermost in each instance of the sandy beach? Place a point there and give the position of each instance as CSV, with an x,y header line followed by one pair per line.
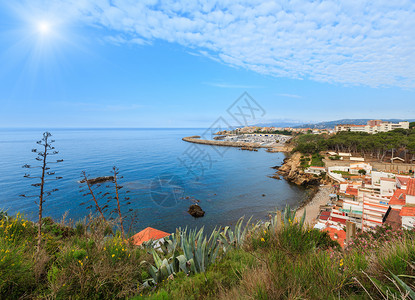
x,y
312,208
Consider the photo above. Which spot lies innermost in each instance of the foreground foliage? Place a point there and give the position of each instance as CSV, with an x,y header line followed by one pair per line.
x,y
278,259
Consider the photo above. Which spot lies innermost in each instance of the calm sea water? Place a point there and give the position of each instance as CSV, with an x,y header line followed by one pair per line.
x,y
161,187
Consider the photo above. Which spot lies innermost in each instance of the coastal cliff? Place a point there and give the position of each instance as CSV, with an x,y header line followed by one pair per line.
x,y
291,170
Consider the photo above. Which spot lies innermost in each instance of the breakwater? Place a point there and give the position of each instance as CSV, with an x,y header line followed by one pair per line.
x,y
196,139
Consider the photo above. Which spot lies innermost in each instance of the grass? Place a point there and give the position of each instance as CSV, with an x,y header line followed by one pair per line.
x,y
317,160
343,173
278,261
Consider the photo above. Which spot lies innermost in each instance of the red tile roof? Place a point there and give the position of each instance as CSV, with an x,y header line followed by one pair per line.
x,y
336,235
399,198
407,211
148,234
403,180
338,220
410,190
352,191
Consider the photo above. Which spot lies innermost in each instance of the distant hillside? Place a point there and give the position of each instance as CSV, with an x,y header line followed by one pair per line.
x,y
332,124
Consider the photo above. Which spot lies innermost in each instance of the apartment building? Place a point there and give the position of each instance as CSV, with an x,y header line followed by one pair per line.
x,y
373,126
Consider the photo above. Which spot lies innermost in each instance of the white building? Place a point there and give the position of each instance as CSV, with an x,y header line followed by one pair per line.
x,y
373,126
315,170
408,211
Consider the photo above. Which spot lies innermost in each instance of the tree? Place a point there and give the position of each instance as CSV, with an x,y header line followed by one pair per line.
x,y
117,197
46,150
362,172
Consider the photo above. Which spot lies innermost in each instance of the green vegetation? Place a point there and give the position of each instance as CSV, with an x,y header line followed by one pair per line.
x,y
317,160
372,145
279,259
343,173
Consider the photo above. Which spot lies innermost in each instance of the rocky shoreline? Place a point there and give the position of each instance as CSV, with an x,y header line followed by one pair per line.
x,y
291,170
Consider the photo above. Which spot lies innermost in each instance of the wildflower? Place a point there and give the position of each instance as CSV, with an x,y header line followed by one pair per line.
x,y
265,231
262,240
113,255
341,262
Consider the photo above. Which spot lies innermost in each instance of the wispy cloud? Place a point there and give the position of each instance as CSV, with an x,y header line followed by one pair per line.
x,y
290,96
232,86
350,42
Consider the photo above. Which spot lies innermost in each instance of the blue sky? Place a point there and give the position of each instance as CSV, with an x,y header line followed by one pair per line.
x,y
78,63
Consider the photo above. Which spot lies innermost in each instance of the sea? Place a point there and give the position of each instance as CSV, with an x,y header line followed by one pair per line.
x,y
159,174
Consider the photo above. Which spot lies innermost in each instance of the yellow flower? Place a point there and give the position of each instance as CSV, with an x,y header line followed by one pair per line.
x,y
265,231
341,262
113,255
262,240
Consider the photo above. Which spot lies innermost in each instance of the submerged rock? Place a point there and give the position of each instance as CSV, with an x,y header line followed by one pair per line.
x,y
196,211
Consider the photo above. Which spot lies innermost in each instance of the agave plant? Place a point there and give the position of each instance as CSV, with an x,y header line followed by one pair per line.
x,y
235,238
198,254
289,216
199,251
402,291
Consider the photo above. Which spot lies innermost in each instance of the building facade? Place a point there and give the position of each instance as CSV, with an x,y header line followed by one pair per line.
x,y
373,126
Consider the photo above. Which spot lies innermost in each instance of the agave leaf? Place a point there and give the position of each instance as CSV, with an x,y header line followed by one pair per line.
x,y
181,259
302,219
157,259
408,290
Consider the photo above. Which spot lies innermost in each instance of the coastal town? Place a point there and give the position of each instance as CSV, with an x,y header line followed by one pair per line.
x,y
364,192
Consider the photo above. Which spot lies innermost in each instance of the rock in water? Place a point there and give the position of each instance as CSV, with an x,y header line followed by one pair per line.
x,y
98,179
196,211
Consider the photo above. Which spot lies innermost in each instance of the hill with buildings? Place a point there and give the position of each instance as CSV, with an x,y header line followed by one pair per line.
x,y
333,124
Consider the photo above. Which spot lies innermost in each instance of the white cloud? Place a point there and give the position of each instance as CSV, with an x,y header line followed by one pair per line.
x,y
354,42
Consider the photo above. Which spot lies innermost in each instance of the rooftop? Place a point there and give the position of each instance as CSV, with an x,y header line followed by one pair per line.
x,y
148,234
403,180
407,211
394,219
410,190
336,235
352,191
398,198
388,179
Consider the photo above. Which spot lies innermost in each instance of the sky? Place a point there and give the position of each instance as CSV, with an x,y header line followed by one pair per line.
x,y
148,63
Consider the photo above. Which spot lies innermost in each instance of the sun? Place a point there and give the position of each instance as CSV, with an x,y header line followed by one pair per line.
x,y
44,27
